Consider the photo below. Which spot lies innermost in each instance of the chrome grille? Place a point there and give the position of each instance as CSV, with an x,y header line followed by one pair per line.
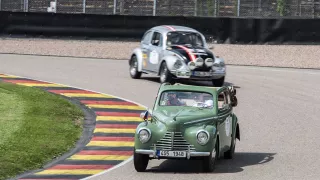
x,y
173,141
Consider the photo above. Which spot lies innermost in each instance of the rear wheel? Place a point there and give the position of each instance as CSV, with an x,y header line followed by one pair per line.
x,y
210,161
134,73
165,75
218,82
140,161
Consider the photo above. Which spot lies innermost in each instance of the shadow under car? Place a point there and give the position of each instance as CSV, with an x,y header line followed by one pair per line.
x,y
240,160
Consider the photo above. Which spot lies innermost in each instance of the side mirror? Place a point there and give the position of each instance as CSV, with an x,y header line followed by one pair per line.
x,y
232,90
234,101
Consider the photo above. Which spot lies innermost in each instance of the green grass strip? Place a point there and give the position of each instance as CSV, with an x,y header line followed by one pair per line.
x,y
35,127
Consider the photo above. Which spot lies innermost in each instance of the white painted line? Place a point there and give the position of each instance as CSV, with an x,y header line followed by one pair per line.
x,y
82,89
114,167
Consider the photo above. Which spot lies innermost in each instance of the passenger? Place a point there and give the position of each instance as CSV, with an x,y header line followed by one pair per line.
x,y
173,100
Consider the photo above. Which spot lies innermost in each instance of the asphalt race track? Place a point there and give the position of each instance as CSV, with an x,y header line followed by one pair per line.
x,y
278,112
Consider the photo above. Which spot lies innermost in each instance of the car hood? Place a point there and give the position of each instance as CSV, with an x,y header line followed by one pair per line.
x,y
188,51
174,118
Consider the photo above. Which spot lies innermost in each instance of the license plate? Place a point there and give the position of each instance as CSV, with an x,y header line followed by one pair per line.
x,y
199,73
172,154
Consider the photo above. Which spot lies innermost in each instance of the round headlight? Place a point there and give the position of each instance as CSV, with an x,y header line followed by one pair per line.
x,y
222,64
144,135
199,62
202,137
191,65
209,62
177,64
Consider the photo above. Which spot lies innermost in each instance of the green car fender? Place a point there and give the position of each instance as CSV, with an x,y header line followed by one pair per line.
x,y
157,131
190,135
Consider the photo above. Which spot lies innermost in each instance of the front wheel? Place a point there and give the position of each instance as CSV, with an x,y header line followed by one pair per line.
x,y
218,82
134,73
210,161
140,161
165,75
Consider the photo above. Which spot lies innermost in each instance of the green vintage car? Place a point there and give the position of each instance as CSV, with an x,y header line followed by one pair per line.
x,y
188,122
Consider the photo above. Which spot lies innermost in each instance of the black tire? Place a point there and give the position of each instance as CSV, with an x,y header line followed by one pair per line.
x,y
210,161
218,82
140,161
133,69
165,75
230,153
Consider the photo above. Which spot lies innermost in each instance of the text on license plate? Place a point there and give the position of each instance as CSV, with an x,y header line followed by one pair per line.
x,y
172,153
199,73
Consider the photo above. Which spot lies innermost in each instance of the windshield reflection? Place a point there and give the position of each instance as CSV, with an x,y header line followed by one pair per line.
x,y
185,39
186,98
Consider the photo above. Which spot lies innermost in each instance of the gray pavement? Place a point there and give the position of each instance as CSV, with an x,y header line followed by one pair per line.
x,y
278,112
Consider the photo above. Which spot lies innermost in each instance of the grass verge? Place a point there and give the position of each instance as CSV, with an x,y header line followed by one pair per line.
x,y
35,127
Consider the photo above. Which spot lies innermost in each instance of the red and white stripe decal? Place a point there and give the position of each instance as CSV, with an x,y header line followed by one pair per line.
x,y
190,54
171,28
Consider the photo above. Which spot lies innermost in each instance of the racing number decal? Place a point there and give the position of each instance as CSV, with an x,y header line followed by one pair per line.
x,y
227,125
154,57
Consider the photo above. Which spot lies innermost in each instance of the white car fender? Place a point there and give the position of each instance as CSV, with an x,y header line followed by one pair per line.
x,y
219,59
170,60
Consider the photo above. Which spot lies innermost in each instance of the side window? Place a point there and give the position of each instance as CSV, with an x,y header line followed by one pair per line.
x,y
146,37
156,39
222,100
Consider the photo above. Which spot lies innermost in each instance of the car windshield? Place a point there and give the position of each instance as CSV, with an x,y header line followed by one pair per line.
x,y
184,38
186,98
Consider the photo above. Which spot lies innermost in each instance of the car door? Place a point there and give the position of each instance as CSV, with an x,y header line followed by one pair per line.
x,y
155,51
145,45
225,123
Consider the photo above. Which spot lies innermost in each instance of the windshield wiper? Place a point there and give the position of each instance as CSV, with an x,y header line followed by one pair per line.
x,y
175,117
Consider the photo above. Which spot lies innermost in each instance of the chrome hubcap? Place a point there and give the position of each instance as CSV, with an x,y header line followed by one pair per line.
x,y
163,74
133,68
214,153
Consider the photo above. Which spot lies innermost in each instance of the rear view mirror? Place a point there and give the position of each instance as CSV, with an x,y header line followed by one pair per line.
x,y
233,97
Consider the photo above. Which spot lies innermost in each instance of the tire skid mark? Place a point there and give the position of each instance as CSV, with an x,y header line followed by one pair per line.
x,y
112,139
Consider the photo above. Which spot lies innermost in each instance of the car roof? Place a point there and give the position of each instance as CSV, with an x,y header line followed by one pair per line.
x,y
178,86
170,28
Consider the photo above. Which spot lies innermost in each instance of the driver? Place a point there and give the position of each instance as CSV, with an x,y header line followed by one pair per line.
x,y
185,39
173,100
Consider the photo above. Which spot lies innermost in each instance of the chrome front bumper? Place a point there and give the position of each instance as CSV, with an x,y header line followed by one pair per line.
x,y
189,154
186,74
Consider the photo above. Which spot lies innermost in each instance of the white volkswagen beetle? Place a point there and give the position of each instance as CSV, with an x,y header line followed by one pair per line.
x,y
176,52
